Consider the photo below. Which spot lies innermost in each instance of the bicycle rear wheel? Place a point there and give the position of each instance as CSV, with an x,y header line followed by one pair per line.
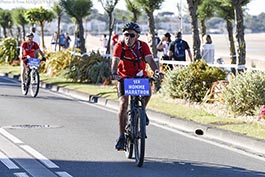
x,y
139,136
34,82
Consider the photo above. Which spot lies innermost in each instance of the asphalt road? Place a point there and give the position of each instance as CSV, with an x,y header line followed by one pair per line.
x,y
56,135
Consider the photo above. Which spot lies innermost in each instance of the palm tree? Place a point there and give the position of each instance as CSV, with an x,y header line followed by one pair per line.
x,y
40,16
6,21
193,7
205,10
58,12
131,6
226,11
109,6
20,19
78,9
149,6
239,18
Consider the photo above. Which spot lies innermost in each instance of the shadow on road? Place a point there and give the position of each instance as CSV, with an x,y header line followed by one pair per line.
x,y
154,167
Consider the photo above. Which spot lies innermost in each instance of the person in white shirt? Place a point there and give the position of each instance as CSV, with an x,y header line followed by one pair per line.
x,y
163,46
208,50
36,37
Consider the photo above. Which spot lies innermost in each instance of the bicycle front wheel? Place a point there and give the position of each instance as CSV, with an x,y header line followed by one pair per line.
x,y
34,83
139,136
25,88
128,137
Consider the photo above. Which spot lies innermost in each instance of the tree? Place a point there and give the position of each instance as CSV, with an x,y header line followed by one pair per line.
x,y
78,9
40,16
6,21
131,6
225,10
149,6
239,18
205,10
109,6
20,20
193,7
58,12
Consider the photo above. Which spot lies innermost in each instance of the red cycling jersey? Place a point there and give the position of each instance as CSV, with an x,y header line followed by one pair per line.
x,y
29,49
128,66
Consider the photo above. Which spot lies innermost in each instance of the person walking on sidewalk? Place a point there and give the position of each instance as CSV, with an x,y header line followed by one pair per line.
x,y
208,50
164,47
126,54
177,49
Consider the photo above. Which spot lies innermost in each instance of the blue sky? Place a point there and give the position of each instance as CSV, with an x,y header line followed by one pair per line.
x,y
255,7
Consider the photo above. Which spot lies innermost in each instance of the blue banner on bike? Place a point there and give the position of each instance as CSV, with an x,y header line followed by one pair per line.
x,y
34,62
136,87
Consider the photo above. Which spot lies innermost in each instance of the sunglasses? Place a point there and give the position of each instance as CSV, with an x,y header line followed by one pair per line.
x,y
129,34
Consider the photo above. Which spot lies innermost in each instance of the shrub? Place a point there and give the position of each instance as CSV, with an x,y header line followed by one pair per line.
x,y
8,50
245,93
57,62
192,82
92,68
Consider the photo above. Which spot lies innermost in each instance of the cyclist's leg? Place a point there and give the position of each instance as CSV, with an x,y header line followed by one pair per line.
x,y
23,70
122,116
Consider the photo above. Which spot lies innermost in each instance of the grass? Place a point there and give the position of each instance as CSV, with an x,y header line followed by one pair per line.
x,y
160,104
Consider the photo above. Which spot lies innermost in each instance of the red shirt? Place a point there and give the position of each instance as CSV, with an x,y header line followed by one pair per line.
x,y
128,66
29,48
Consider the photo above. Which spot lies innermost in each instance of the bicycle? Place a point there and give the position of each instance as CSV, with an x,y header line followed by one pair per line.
x,y
32,78
135,131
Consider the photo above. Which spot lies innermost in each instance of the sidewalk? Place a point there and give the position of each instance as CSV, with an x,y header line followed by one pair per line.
x,y
231,139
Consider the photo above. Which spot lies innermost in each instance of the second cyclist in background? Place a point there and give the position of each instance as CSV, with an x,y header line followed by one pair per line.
x,y
29,48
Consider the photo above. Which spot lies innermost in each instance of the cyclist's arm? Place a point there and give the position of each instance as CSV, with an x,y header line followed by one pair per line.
x,y
21,51
114,64
41,53
150,60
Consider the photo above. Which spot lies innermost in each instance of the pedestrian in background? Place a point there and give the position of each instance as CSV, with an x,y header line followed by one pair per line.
x,y
104,43
164,47
54,40
67,40
208,50
177,49
61,40
36,37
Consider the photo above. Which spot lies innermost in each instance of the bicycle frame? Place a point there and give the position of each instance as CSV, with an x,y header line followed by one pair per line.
x,y
136,89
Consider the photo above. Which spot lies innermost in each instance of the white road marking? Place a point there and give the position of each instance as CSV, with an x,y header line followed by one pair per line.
x,y
7,162
23,159
21,174
63,174
39,156
10,137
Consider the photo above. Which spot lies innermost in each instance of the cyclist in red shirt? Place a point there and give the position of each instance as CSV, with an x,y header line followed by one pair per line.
x,y
29,48
129,60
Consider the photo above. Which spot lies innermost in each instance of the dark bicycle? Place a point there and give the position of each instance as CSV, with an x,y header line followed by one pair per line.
x,y
32,78
135,131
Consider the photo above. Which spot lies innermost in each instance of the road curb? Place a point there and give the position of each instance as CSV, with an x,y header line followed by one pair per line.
x,y
236,140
